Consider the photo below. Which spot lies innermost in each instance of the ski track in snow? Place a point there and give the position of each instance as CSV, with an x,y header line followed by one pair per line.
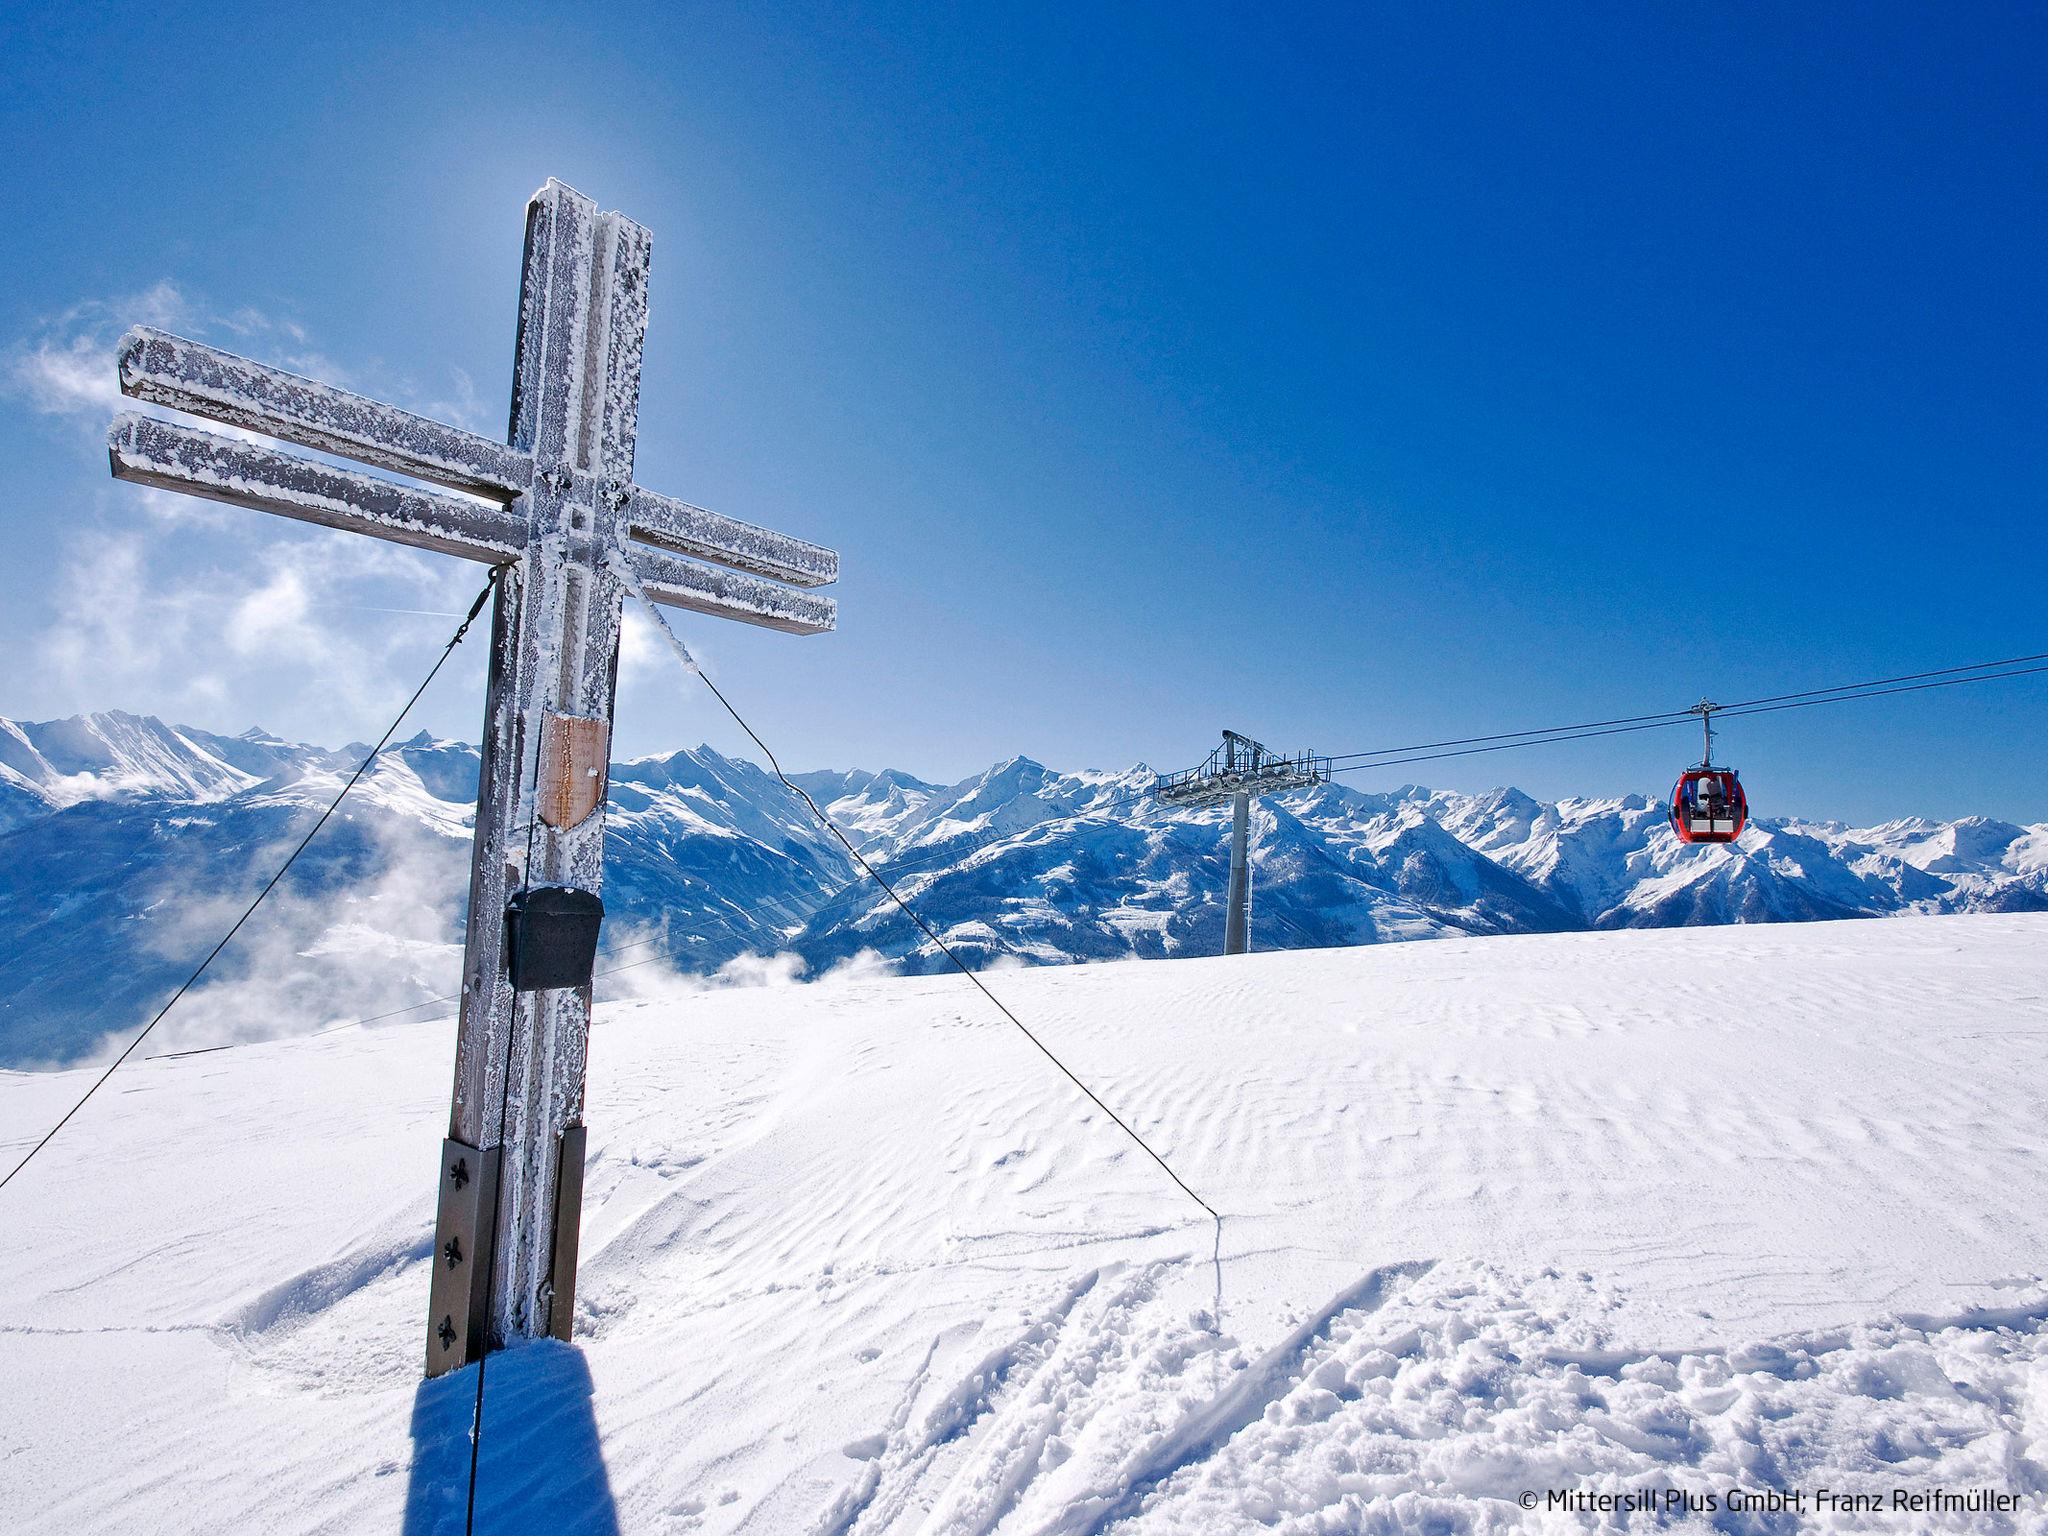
x,y
1426,1399
1703,1209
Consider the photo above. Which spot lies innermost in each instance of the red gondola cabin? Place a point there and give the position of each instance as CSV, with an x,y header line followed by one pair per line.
x,y
1708,806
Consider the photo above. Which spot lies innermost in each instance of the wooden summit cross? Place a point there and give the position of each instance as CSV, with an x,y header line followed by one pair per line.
x,y
556,508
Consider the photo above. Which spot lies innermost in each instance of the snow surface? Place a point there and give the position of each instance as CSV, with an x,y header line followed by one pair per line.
x,y
1737,1207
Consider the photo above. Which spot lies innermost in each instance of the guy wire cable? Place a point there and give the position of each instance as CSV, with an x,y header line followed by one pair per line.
x,y
623,567
490,584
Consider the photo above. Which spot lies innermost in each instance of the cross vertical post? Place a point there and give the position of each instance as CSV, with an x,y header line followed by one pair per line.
x,y
556,510
520,1056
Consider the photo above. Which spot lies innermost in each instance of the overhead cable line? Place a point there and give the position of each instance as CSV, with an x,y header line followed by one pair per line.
x,y
1878,693
1909,677
271,884
1753,707
1872,688
1668,717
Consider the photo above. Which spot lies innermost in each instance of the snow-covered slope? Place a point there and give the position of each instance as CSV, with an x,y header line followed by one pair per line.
x,y
1722,1209
124,844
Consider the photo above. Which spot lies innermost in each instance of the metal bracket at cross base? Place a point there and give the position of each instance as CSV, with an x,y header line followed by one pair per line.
x,y
458,1314
457,1320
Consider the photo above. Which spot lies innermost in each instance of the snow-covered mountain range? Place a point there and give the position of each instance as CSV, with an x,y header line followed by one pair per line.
x,y
128,845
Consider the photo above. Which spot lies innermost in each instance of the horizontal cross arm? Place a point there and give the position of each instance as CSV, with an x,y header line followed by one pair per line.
x,y
729,594
686,530
175,457
190,376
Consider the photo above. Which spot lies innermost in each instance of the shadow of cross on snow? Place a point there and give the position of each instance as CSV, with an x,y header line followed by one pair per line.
x,y
541,1467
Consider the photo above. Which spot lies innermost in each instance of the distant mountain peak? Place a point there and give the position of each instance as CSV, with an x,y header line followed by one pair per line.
x,y
124,818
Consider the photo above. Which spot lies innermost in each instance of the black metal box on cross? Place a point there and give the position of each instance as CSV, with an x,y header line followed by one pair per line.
x,y
551,937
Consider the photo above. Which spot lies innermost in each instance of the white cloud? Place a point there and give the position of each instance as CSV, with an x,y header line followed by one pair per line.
x,y
61,377
313,959
461,405
187,608
65,366
642,652
269,632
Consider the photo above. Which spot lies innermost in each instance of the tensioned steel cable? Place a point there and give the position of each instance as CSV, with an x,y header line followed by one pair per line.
x,y
1681,716
271,884
689,663
1909,677
1669,716
1878,693
1732,711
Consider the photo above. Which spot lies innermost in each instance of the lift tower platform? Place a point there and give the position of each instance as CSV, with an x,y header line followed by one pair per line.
x,y
1236,771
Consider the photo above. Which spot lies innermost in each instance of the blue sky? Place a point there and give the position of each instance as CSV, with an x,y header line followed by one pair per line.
x,y
1350,379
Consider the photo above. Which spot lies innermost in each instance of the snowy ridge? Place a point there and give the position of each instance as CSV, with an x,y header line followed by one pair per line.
x,y
46,766
139,835
1048,867
871,808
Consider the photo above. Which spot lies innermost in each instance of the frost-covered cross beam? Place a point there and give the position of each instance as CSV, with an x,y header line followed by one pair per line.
x,y
557,508
654,530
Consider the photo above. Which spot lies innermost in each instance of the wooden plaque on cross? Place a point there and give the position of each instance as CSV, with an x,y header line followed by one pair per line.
x,y
556,508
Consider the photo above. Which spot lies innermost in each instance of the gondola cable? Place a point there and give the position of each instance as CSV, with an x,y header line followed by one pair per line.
x,y
1687,717
1681,716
